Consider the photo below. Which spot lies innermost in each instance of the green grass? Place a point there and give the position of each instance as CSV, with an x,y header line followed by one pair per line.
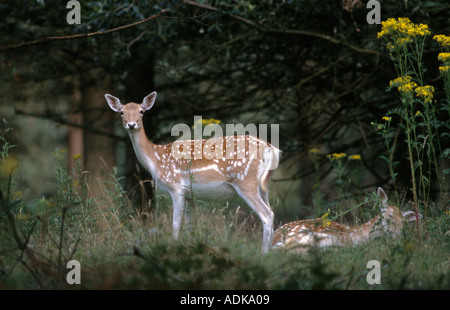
x,y
119,249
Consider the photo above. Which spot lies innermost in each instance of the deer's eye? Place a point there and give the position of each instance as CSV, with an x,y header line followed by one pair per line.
x,y
141,112
121,113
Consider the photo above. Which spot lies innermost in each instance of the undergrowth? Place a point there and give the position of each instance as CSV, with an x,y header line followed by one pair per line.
x,y
120,249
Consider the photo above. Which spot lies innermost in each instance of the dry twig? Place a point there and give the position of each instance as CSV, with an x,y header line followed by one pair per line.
x,y
76,36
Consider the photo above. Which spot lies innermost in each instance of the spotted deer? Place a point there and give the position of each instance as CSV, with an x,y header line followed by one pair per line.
x,y
301,235
216,168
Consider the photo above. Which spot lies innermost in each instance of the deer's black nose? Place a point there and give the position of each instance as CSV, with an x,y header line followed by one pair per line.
x,y
131,126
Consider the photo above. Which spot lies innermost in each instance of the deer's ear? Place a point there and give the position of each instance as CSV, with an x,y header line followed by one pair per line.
x,y
410,216
149,101
114,103
383,197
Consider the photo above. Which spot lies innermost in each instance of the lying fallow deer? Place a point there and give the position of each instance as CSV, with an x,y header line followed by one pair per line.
x,y
299,236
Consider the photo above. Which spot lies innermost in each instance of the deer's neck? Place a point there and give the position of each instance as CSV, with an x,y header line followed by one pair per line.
x,y
146,151
361,234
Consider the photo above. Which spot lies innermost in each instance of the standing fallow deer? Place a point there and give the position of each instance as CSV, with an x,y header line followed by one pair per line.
x,y
299,236
224,166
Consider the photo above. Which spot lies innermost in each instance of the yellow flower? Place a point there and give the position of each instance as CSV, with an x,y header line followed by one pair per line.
x,y
444,56
417,113
443,40
444,69
336,156
325,221
355,157
205,122
425,92
403,84
407,88
77,156
9,165
210,121
313,151
400,81
402,29
403,41
421,30
387,118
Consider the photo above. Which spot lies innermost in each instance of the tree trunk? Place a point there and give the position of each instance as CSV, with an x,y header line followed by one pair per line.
x,y
99,150
75,136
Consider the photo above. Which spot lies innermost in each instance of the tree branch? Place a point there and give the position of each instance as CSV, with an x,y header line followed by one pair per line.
x,y
287,31
76,36
58,119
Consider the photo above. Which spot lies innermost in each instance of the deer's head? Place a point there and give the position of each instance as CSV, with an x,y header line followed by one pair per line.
x,y
131,112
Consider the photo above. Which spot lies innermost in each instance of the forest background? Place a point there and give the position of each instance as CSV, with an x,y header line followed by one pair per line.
x,y
316,68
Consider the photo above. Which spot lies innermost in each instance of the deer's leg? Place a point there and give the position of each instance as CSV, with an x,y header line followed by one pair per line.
x,y
254,198
265,196
178,207
264,188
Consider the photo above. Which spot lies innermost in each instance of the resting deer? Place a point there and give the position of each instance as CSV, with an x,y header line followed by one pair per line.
x,y
217,173
299,236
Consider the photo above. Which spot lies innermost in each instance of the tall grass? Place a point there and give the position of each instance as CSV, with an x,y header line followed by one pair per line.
x,y
119,249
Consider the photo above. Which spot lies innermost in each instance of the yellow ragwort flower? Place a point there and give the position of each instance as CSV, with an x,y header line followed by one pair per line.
x,y
210,121
390,46
402,29
402,41
444,69
400,81
336,156
403,84
421,30
355,157
443,40
425,92
205,122
444,57
313,151
407,88
386,118
325,221
9,165
77,156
